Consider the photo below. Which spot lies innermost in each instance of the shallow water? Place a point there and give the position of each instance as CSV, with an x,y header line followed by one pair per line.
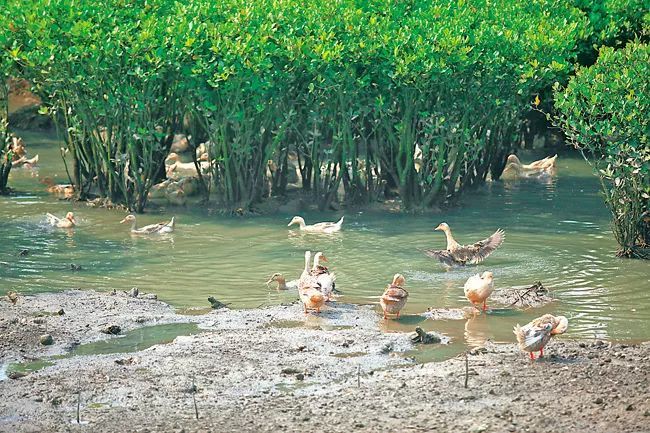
x,y
133,341
556,232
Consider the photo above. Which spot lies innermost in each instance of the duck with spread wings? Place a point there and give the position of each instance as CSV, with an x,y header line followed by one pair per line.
x,y
457,254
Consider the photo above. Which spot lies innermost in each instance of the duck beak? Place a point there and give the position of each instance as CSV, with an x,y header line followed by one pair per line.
x,y
123,221
323,258
438,228
290,224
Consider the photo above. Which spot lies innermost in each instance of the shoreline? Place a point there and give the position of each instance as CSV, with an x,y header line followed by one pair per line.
x,y
275,369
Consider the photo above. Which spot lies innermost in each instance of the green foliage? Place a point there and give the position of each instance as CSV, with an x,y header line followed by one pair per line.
x,y
612,23
6,64
110,71
605,112
352,87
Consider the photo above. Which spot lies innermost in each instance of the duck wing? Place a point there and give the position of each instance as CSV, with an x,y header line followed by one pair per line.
x,y
52,220
394,294
532,337
163,227
480,250
445,257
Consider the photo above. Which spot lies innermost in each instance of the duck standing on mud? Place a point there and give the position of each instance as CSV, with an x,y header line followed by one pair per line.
x,y
309,289
394,297
478,288
533,336
457,254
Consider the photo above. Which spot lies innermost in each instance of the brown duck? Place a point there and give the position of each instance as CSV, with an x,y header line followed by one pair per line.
x,y
457,254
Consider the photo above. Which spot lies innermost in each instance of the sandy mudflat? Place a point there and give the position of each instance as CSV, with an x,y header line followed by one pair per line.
x,y
254,370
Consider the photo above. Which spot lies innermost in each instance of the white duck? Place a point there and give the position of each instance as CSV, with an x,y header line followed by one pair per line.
x,y
160,228
533,336
176,168
478,288
323,276
308,288
325,227
65,223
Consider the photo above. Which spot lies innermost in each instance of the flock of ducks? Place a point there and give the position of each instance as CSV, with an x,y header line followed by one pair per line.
x,y
316,285
69,222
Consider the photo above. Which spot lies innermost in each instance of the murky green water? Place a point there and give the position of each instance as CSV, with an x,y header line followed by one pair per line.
x,y
133,341
556,232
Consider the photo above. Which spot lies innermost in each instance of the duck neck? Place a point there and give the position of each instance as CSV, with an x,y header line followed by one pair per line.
x,y
451,242
134,226
316,261
307,259
282,283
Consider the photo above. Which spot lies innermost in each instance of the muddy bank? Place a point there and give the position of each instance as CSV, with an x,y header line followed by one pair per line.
x,y
275,369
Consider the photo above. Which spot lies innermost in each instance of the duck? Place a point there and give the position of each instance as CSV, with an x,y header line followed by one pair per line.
x,y
160,228
323,276
541,164
540,169
58,188
64,223
309,289
325,227
283,284
533,336
417,158
394,297
23,161
12,296
457,254
479,287
178,168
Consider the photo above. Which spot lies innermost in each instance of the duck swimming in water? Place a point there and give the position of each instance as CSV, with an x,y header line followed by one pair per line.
x,y
159,228
326,227
457,254
64,223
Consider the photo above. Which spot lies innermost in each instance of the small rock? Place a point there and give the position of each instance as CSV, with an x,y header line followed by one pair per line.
x,y
60,312
290,370
300,376
46,339
599,400
478,351
16,374
150,296
629,407
112,329
125,361
134,292
582,345
39,320
480,428
388,347
23,253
